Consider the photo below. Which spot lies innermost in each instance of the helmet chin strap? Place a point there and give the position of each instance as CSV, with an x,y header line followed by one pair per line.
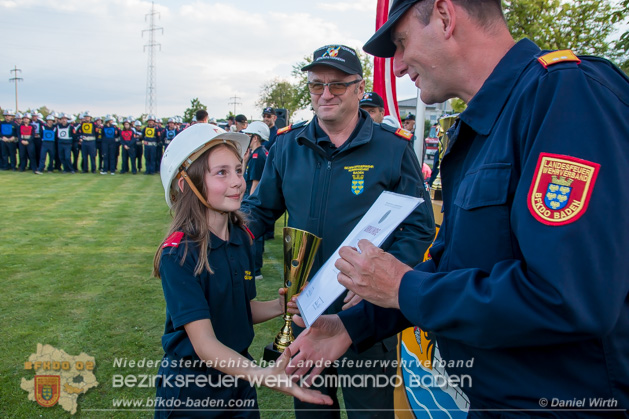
x,y
184,175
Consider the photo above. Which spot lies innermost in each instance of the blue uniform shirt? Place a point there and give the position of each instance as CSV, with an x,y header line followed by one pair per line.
x,y
223,297
255,166
529,275
272,137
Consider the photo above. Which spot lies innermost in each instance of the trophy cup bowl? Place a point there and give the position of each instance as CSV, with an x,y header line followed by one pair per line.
x,y
300,248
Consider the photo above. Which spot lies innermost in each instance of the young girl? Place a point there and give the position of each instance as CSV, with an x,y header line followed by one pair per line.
x,y
206,267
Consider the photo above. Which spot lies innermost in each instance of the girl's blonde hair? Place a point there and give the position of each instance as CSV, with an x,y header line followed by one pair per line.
x,y
190,215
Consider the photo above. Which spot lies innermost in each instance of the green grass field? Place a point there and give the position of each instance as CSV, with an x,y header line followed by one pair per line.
x,y
75,264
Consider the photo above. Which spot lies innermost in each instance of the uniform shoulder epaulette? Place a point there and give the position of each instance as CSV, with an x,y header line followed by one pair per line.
x,y
173,240
291,127
400,132
555,57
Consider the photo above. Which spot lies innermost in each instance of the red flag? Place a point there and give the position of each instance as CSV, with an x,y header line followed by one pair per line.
x,y
383,77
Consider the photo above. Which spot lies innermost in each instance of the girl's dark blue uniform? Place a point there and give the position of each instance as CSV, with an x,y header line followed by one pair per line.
x,y
224,298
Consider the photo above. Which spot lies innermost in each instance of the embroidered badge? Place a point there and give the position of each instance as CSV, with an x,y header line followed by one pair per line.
x,y
561,188
358,177
47,389
332,51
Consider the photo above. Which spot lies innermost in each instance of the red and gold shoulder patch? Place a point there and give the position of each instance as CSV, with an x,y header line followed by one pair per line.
x,y
285,129
561,188
173,240
561,56
401,132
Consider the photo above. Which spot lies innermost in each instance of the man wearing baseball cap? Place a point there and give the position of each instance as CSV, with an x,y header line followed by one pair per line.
x,y
269,116
241,122
326,174
409,122
527,289
374,105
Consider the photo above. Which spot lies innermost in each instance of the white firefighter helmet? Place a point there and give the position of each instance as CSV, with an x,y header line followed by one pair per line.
x,y
110,118
260,128
28,115
186,147
50,117
150,117
137,124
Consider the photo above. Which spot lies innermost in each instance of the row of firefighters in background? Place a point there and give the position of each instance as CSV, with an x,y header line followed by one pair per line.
x,y
59,139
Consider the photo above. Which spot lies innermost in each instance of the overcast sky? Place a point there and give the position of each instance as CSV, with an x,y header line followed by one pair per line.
x,y
78,55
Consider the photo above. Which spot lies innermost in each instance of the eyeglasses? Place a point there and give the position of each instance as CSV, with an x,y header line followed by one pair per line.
x,y
336,88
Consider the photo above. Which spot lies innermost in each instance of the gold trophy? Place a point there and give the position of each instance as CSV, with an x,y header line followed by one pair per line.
x,y
300,248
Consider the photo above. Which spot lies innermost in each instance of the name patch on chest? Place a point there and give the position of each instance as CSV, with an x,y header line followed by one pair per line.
x,y
358,177
561,188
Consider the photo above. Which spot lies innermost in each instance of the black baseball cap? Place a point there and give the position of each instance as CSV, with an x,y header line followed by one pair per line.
x,y
337,56
372,99
268,110
380,44
409,117
241,118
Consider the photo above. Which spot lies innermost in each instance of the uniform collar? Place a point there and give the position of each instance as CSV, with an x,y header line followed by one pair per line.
x,y
483,110
361,135
235,237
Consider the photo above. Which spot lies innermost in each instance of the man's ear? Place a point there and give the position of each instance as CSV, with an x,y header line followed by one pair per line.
x,y
361,89
446,13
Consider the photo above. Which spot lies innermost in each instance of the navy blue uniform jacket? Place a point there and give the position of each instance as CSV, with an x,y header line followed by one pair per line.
x,y
540,304
324,195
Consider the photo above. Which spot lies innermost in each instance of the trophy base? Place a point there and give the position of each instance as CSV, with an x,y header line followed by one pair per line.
x,y
270,353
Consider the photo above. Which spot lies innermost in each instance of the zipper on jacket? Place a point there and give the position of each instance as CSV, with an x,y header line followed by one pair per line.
x,y
315,188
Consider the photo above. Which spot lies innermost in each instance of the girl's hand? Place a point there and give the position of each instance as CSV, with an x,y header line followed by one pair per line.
x,y
292,304
275,377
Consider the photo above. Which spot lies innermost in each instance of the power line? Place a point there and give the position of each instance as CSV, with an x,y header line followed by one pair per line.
x,y
234,102
15,79
151,85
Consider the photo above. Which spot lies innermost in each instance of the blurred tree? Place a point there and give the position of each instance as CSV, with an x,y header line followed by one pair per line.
x,y
458,105
280,93
195,105
584,26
